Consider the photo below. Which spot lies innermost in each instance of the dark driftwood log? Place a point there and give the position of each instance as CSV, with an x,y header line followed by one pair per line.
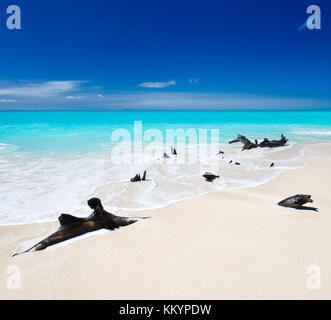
x,y
295,201
137,177
210,177
71,226
265,143
246,142
249,145
273,143
220,152
144,176
240,138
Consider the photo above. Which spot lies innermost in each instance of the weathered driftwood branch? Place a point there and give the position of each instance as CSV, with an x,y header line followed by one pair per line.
x,y
246,142
265,143
296,201
240,138
137,177
71,226
210,176
249,145
173,151
273,143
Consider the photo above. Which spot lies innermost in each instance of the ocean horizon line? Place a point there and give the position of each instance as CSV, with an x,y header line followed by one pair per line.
x,y
171,110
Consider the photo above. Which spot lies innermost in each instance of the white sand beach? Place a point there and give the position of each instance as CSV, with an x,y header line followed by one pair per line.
x,y
231,244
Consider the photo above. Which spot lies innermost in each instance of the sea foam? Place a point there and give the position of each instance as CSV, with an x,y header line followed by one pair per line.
x,y
38,188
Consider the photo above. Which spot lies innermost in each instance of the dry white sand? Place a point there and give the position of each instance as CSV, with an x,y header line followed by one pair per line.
x,y
233,244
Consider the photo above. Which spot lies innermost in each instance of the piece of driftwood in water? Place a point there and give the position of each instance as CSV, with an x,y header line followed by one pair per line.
x,y
265,143
71,226
273,143
220,152
137,177
144,176
272,165
240,138
165,155
173,151
210,177
249,145
246,142
296,201
237,163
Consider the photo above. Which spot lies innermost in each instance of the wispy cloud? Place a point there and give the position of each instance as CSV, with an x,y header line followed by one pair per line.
x,y
74,98
193,80
42,89
157,84
62,95
7,100
208,101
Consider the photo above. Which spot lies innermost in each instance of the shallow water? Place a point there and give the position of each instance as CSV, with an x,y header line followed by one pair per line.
x,y
53,162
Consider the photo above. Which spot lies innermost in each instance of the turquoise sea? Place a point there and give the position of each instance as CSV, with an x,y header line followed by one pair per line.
x,y
53,161
81,131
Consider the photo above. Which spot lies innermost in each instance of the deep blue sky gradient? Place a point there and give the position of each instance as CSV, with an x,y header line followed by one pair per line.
x,y
245,48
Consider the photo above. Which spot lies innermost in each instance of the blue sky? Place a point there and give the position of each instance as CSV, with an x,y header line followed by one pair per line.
x,y
158,54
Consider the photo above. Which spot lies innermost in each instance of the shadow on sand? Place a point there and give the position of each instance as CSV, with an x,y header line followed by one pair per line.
x,y
308,208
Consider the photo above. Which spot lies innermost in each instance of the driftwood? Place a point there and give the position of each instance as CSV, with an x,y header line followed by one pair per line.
x,y
246,142
272,165
165,155
240,138
273,143
249,145
265,143
295,201
237,163
71,226
210,177
220,152
137,177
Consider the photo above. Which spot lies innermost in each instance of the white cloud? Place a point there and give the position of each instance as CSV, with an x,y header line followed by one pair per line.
x,y
7,100
193,80
74,98
43,89
157,84
209,101
100,96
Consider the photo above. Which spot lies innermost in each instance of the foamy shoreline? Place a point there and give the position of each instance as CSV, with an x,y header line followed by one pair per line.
x,y
35,199
223,245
